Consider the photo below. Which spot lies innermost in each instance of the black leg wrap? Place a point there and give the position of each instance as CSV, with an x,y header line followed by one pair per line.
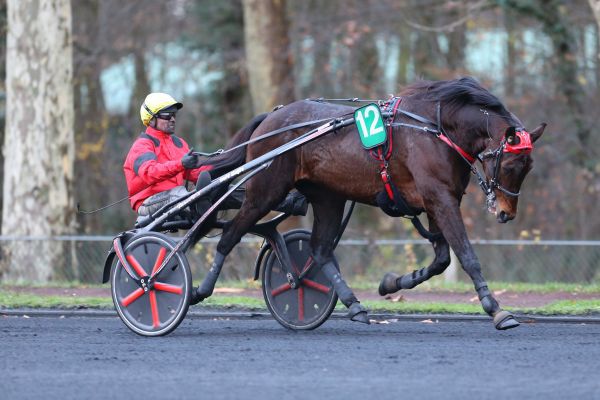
x,y
489,304
208,284
409,281
341,288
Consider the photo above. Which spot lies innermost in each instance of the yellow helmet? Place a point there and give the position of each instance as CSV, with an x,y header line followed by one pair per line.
x,y
154,103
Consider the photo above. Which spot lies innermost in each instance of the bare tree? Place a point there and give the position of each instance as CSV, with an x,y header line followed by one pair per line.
x,y
595,5
39,139
267,52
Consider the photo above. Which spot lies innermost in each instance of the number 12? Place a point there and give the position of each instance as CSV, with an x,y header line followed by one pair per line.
x,y
373,129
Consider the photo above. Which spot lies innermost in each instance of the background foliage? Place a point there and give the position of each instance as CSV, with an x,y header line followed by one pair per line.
x,y
540,57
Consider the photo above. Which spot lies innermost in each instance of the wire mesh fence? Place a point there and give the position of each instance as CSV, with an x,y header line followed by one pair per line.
x,y
81,259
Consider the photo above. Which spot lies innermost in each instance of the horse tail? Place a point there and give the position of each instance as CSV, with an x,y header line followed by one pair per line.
x,y
228,161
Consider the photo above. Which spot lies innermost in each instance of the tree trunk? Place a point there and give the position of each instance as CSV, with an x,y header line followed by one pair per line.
x,y
267,53
557,27
39,139
595,5
511,53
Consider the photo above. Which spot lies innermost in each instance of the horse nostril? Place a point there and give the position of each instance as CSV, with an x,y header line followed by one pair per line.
x,y
503,217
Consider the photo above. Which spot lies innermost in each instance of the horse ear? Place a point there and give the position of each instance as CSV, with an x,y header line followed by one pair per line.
x,y
509,135
537,132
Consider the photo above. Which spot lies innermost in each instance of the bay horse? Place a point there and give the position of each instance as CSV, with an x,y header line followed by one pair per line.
x,y
430,165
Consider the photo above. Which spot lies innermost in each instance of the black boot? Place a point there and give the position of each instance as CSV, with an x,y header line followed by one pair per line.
x,y
204,202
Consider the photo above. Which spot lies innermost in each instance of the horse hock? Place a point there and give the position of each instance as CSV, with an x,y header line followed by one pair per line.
x,y
356,311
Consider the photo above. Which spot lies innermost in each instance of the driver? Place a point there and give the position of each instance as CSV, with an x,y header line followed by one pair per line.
x,y
160,163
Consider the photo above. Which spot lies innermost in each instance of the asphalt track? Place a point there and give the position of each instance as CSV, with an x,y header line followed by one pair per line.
x,y
241,358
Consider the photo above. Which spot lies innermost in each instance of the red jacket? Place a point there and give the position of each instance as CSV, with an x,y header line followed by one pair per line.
x,y
153,165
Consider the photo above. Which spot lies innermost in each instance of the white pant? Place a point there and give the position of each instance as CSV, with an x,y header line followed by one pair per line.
x,y
158,200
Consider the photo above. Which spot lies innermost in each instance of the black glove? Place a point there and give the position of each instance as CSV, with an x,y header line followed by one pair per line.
x,y
191,160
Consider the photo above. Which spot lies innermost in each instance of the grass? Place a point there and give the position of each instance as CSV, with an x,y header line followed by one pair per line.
x,y
10,299
465,287
14,300
434,284
567,307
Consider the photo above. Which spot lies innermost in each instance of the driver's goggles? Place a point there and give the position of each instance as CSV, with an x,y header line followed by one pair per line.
x,y
166,115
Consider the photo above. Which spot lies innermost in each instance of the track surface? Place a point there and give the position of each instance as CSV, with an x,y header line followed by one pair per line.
x,y
99,358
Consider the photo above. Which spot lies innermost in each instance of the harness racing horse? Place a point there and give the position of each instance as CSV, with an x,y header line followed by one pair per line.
x,y
429,164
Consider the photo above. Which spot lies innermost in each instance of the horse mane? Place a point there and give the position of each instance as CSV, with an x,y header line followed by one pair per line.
x,y
456,94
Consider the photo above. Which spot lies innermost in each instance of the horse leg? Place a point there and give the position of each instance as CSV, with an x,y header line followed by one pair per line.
x,y
257,204
393,282
328,213
447,215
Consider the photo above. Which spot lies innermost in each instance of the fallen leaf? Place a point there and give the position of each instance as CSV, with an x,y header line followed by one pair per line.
x,y
397,299
381,322
473,299
427,321
499,292
26,316
228,290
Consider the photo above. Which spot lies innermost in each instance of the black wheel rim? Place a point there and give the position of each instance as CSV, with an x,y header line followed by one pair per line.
x,y
159,310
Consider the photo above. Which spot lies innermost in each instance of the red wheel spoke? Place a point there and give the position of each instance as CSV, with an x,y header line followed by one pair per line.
x,y
278,290
136,266
315,285
165,287
300,304
159,259
136,294
154,309
308,264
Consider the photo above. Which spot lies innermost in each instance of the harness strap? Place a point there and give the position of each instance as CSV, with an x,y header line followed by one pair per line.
x,y
384,152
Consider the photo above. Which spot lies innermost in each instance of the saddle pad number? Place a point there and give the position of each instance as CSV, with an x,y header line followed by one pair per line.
x,y
370,126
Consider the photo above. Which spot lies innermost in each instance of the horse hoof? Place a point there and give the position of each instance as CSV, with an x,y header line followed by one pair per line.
x,y
358,313
388,284
505,320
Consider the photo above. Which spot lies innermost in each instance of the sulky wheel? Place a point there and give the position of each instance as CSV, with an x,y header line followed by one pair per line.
x,y
312,302
159,310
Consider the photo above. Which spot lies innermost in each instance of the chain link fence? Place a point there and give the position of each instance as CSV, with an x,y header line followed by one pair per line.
x,y
82,259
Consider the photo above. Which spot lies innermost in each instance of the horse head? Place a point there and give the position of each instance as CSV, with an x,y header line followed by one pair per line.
x,y
506,165
489,130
